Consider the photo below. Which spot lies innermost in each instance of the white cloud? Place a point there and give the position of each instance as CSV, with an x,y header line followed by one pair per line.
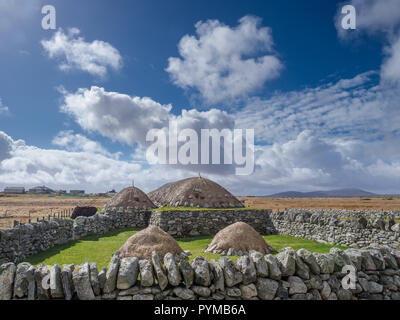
x,y
77,142
354,108
73,52
23,164
390,70
127,119
308,163
225,63
5,145
117,116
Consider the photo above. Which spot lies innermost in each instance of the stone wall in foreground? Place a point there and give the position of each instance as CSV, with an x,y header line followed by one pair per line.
x,y
346,230
209,222
290,275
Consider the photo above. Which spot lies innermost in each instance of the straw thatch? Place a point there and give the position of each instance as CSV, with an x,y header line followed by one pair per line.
x,y
194,192
143,243
130,198
240,237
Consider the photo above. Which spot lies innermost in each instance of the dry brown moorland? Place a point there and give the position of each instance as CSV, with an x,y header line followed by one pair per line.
x,y
20,207
354,203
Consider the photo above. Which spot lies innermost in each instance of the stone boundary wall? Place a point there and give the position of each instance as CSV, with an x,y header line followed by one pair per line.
x,y
199,223
290,275
341,227
331,228
342,213
26,240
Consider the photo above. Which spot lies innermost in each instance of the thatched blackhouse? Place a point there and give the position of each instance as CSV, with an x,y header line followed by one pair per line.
x,y
130,199
194,192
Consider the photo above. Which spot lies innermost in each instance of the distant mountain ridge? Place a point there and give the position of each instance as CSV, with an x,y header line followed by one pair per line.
x,y
338,193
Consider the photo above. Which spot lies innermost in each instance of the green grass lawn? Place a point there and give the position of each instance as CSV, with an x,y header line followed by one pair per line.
x,y
100,248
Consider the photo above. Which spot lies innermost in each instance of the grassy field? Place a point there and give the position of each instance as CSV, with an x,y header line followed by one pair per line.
x,y
99,249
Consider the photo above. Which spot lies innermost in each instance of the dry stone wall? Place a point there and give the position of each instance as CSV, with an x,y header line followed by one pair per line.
x,y
26,240
204,222
289,275
339,227
342,213
342,227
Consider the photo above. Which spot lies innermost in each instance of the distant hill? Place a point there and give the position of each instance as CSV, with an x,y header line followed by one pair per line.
x,y
323,194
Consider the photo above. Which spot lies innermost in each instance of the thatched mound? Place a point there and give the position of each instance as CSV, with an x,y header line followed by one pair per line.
x,y
143,243
130,198
194,192
83,212
236,238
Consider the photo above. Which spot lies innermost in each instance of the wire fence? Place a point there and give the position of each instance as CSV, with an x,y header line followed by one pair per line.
x,y
9,219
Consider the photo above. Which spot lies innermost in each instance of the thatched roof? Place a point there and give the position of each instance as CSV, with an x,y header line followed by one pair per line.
x,y
143,243
130,198
241,237
194,192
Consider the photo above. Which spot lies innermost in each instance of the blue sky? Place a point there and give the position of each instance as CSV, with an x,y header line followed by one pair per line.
x,y
330,97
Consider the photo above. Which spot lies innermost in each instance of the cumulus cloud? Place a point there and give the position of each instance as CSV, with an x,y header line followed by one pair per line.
x,y
309,162
114,115
5,146
73,52
77,142
21,163
127,119
225,63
